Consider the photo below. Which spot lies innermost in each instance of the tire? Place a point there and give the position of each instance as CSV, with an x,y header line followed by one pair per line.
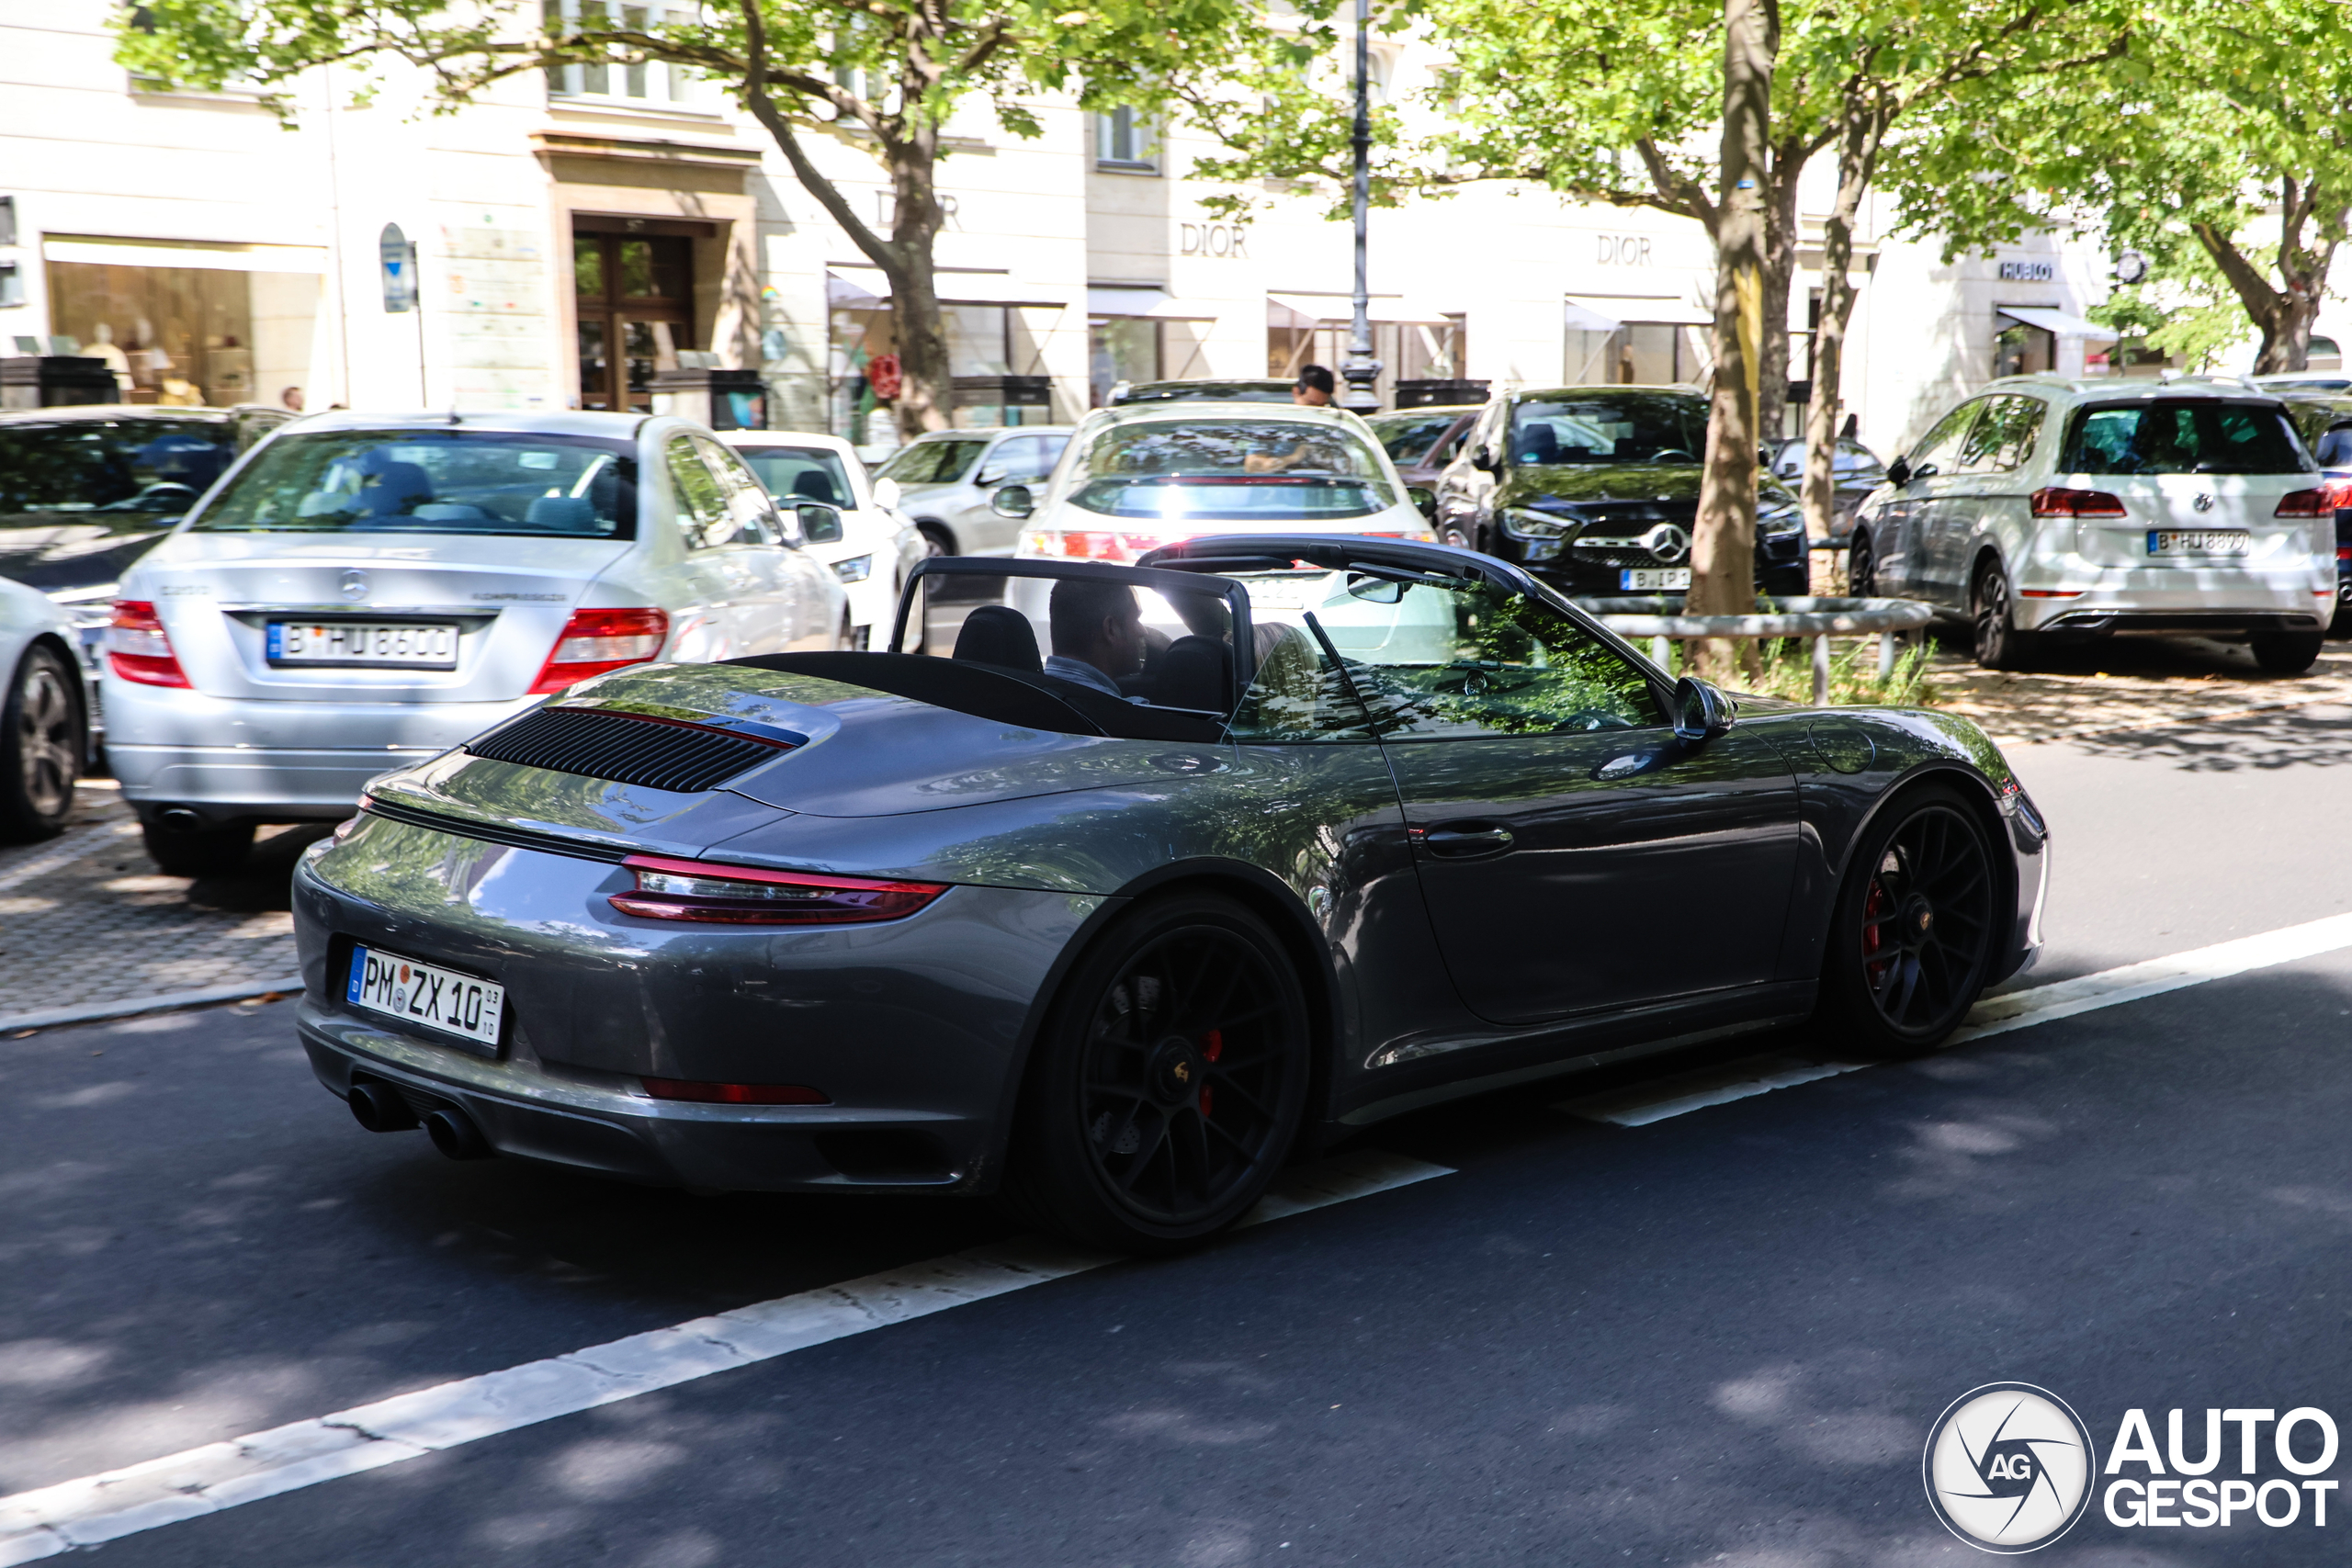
x,y
2286,653
43,742
1999,644
1893,985
197,852
1861,569
936,540
1147,1124
845,635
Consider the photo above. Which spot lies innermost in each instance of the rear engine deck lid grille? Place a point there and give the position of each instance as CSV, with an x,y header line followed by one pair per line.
x,y
651,750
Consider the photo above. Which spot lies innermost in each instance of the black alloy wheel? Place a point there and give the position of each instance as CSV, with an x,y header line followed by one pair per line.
x,y
1168,1082
1914,930
41,744
1861,569
1999,644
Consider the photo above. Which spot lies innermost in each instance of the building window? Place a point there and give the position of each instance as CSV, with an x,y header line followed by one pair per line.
x,y
2023,350
650,81
1124,142
1408,351
12,286
1123,348
189,336
635,297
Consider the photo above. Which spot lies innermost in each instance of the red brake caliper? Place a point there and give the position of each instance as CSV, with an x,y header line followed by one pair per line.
x,y
1873,924
1212,1047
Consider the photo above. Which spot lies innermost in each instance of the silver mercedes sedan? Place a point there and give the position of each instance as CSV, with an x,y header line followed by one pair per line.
x,y
363,592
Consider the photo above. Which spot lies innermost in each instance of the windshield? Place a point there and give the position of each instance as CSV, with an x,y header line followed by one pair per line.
x,y
1209,391
932,462
112,465
1609,427
1407,437
1849,461
1230,470
434,481
2182,435
800,473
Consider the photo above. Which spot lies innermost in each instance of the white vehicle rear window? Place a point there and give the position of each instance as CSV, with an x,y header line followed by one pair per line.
x,y
1231,470
2182,435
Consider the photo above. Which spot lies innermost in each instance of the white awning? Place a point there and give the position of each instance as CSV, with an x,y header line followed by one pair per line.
x,y
1634,310
1338,309
865,289
210,257
1153,303
1585,319
2060,321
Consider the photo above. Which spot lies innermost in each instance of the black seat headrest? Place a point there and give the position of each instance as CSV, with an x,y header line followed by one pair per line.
x,y
814,485
1001,636
1193,673
1539,444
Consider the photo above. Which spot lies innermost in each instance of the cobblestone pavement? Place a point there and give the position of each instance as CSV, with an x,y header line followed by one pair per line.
x,y
87,918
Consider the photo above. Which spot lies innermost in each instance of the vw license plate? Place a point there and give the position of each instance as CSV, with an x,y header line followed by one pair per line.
x,y
418,646
2198,541
426,994
1633,579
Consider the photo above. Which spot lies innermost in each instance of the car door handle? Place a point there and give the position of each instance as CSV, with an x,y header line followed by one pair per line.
x,y
1464,843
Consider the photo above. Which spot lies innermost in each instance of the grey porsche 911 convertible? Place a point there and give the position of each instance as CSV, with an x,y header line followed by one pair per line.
x,y
1168,872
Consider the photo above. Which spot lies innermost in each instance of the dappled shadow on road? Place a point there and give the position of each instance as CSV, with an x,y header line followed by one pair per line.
x,y
1718,1339
2318,736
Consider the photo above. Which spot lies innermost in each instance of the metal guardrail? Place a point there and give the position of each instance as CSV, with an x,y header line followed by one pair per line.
x,y
1659,618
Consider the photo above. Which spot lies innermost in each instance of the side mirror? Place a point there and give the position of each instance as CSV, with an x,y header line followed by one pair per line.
x,y
887,494
1013,501
1898,472
1376,590
1700,710
1424,502
820,524
1484,459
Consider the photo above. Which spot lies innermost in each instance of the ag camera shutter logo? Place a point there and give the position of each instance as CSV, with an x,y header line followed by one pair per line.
x,y
2008,1468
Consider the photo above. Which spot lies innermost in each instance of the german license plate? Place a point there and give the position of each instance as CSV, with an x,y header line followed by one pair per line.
x,y
417,646
426,994
1634,578
2198,541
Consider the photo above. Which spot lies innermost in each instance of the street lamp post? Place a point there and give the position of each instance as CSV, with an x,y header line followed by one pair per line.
x,y
1361,370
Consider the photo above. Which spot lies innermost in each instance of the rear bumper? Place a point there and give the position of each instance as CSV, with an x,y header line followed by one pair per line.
x,y
233,759
2213,601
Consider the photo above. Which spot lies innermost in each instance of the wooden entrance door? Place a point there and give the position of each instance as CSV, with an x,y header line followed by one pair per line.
x,y
635,307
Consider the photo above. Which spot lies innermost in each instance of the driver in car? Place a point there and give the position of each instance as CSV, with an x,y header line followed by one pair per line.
x,y
1098,634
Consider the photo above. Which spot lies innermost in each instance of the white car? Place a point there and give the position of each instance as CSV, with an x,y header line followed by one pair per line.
x,y
878,546
363,592
2047,508
44,730
1138,477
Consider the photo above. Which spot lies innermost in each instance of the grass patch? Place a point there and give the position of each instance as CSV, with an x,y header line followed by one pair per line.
x,y
1784,668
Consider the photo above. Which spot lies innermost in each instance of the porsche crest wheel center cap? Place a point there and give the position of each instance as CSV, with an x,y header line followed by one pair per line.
x,y
1176,1073
1918,922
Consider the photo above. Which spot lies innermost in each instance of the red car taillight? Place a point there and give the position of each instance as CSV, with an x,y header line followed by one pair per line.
x,y
2058,502
743,895
2303,503
595,642
1091,544
734,1093
138,648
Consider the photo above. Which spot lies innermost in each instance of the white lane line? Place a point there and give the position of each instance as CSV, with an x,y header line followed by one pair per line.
x,y
1643,1104
221,1475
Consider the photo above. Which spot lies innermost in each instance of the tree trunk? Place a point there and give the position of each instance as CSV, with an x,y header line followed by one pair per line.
x,y
1780,237
1858,147
927,393
2283,315
1723,549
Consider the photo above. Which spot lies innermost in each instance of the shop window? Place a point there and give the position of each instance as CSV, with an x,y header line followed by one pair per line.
x,y
189,336
1124,348
2325,354
635,298
2023,350
12,285
1124,142
650,80
1408,351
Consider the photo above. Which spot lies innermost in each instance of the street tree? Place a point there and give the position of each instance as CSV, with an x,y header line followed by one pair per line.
x,y
882,76
2227,126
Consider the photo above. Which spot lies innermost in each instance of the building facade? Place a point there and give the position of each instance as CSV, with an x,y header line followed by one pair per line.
x,y
571,235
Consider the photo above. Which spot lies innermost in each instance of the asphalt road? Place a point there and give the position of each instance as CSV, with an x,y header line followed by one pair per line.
x,y
1718,1338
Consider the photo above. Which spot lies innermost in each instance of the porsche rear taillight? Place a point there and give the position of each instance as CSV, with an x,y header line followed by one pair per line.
x,y
751,896
2056,501
138,648
595,642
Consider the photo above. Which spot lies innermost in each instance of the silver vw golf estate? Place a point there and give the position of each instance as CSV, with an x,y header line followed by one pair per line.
x,y
363,592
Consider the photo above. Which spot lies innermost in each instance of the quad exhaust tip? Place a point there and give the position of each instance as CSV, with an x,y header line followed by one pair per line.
x,y
455,1134
379,1107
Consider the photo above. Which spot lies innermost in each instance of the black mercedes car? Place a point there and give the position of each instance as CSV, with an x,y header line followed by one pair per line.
x,y
1595,490
1285,835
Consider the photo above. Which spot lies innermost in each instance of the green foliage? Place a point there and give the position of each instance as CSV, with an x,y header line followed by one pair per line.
x,y
1783,668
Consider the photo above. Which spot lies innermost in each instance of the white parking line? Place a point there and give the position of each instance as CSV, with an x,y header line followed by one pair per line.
x,y
208,1480
1656,1102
